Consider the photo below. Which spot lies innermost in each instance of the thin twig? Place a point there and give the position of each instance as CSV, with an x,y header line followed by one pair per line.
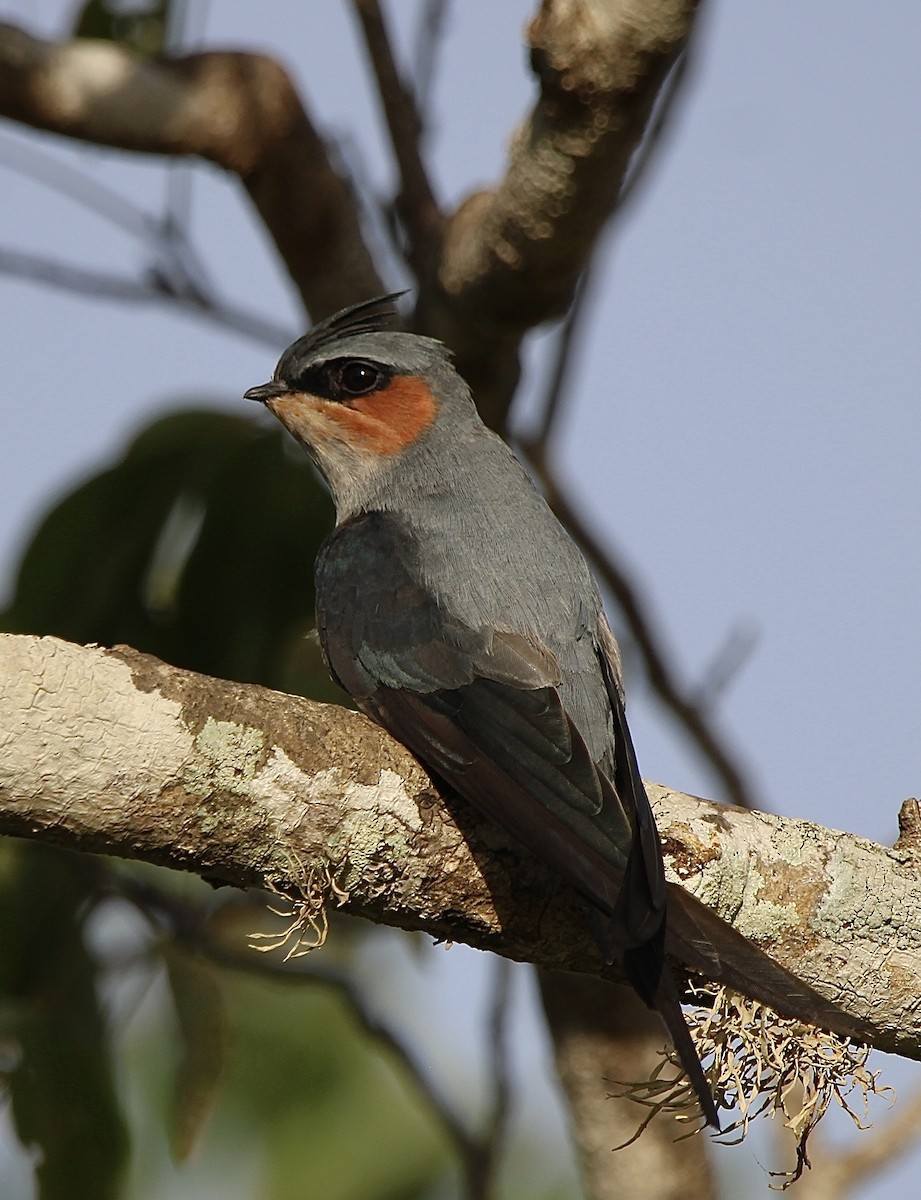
x,y
560,372
649,641
662,114
166,237
498,1045
665,105
264,136
417,205
185,23
838,1173
479,1154
155,287
77,186
486,1150
378,221
429,36
688,707
465,1144
725,664
180,260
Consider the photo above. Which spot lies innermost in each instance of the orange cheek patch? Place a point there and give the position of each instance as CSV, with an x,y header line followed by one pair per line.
x,y
387,421
383,423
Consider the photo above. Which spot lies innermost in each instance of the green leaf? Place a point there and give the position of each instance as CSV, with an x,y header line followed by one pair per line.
x,y
334,1120
196,546
139,27
63,1098
201,1019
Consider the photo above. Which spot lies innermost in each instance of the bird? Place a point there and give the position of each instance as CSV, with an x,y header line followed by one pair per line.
x,y
460,615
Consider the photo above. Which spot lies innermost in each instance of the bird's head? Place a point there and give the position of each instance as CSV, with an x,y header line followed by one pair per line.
x,y
358,396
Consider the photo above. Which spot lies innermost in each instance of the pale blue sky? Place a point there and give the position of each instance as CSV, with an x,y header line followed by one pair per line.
x,y
744,421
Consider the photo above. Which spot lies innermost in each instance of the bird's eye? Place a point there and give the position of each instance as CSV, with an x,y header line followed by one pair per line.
x,y
357,378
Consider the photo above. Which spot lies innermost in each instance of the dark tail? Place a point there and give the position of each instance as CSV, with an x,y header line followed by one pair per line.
x,y
648,972
705,944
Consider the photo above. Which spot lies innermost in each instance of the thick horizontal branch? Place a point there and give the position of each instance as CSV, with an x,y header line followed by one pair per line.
x,y
237,110
115,752
512,256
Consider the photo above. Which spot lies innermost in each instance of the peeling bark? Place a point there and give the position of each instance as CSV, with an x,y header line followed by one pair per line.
x,y
114,752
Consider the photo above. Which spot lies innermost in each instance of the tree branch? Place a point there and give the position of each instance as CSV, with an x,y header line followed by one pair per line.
x,y
150,288
193,926
604,1034
416,203
684,705
512,256
433,20
114,752
237,110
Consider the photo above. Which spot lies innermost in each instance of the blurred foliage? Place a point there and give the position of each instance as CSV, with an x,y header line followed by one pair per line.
x,y
56,1063
196,546
201,1025
349,1129
139,25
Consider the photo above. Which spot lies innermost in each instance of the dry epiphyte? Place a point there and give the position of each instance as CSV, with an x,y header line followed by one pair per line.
x,y
759,1063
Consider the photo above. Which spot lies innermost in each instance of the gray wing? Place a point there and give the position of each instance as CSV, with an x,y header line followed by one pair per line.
x,y
483,709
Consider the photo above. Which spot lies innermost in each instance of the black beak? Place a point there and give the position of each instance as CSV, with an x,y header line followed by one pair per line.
x,y
266,391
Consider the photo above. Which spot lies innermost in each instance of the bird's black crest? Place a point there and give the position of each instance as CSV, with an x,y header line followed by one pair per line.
x,y
369,316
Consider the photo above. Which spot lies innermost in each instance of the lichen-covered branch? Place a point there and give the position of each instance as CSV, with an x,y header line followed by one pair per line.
x,y
114,752
238,110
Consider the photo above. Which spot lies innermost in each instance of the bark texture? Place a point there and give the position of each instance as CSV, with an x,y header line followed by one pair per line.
x,y
115,752
512,255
